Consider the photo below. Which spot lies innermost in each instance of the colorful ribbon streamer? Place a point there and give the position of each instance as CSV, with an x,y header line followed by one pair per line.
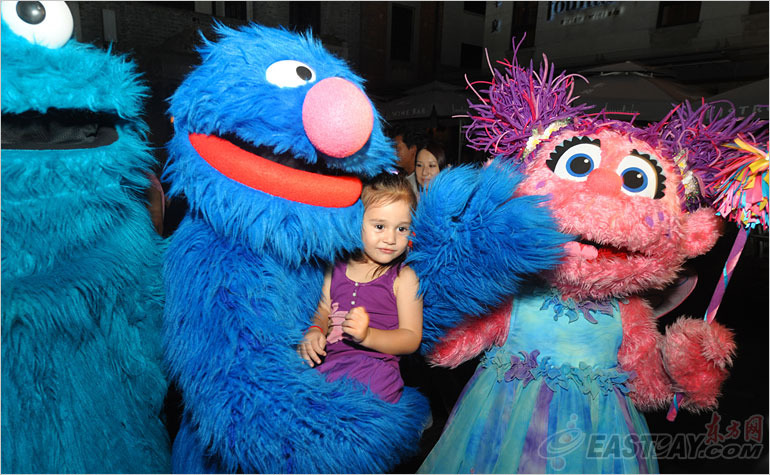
x,y
742,197
727,272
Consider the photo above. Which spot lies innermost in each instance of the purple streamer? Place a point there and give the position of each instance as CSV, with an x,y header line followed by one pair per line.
x,y
727,272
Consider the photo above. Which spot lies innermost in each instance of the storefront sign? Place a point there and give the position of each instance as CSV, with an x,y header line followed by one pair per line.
x,y
559,8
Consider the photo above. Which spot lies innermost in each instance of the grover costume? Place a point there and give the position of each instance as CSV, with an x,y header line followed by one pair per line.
x,y
273,136
82,381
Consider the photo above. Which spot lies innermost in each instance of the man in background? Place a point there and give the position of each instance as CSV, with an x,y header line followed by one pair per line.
x,y
406,147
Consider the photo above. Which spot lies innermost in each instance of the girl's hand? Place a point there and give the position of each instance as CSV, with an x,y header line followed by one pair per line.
x,y
356,324
312,347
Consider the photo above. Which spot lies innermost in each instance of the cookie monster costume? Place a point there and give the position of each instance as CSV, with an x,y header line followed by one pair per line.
x,y
82,379
273,136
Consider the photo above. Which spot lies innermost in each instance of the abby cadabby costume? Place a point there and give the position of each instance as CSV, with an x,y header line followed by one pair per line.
x,y
569,363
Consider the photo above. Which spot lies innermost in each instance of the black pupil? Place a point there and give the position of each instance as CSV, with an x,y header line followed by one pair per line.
x,y
633,180
580,165
31,12
304,73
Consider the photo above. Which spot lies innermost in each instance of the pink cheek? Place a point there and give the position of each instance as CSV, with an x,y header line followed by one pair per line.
x,y
661,218
650,222
540,185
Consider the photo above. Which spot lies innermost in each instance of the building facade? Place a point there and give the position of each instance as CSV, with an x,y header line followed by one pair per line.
x,y
707,47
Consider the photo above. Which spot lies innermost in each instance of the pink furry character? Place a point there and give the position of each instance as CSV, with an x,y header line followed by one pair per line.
x,y
568,363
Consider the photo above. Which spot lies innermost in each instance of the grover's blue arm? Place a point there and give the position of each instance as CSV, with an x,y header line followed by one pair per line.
x,y
474,244
232,322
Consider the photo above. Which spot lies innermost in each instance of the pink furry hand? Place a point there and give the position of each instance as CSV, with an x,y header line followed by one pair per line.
x,y
471,337
639,352
697,357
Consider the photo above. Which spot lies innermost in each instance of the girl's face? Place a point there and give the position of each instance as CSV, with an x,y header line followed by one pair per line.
x,y
425,167
385,231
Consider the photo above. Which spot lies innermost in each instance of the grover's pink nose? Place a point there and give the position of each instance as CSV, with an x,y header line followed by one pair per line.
x,y
337,117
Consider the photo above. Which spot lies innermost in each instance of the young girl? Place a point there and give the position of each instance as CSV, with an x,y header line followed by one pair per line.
x,y
370,311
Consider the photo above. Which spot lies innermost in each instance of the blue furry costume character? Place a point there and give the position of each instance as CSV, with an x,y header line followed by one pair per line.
x,y
272,138
82,384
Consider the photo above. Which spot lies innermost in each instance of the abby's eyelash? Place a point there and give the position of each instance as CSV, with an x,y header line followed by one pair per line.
x,y
566,145
659,192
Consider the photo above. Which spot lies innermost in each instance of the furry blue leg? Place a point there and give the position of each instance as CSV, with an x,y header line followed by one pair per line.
x,y
189,455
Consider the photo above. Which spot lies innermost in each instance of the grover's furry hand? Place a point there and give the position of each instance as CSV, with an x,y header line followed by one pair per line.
x,y
475,242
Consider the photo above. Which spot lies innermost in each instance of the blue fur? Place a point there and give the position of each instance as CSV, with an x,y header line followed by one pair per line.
x,y
228,93
82,382
244,273
231,344
474,245
76,76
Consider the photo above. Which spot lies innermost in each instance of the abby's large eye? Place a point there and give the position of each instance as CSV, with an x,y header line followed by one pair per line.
x,y
289,73
642,176
574,159
46,24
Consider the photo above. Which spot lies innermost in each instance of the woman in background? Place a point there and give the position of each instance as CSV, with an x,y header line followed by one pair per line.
x,y
430,160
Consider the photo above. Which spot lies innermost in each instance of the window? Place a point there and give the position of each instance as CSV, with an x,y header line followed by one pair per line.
x,y
758,7
524,21
401,32
235,10
678,13
475,7
178,5
470,56
304,15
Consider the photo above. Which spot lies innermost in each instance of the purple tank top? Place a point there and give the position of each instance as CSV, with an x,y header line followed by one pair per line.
x,y
377,371
376,297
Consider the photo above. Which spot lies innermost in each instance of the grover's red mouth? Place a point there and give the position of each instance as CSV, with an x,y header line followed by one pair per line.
x,y
275,179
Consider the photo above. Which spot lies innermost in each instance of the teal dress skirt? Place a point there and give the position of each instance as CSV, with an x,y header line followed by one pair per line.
x,y
552,399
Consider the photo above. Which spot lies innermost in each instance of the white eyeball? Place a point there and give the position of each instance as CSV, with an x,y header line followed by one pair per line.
x,y
46,24
575,159
640,176
289,73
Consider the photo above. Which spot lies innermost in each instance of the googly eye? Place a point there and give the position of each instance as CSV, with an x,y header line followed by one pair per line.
x,y
46,24
575,159
289,73
641,176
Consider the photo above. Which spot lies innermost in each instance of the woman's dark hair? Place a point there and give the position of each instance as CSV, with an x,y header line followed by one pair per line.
x,y
437,150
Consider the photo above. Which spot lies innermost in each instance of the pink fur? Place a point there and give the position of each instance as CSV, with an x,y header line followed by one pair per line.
x,y
619,189
637,243
697,356
471,337
640,353
645,240
703,228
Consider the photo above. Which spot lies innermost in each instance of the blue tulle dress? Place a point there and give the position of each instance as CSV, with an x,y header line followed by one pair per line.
x,y
550,400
